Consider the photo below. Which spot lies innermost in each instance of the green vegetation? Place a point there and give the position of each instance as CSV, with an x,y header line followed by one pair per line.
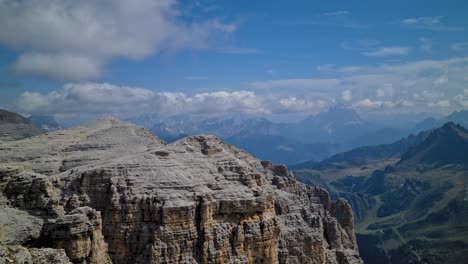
x,y
413,210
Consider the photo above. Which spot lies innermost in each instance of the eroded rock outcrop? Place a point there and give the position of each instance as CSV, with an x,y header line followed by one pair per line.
x,y
111,191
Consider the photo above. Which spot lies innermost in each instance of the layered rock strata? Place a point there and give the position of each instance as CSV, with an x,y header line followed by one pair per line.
x,y
112,192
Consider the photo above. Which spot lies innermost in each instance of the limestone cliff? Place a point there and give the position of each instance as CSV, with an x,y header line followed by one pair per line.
x,y
110,191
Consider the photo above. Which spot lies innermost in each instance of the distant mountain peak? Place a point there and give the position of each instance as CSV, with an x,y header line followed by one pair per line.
x,y
13,118
452,126
445,145
337,114
14,126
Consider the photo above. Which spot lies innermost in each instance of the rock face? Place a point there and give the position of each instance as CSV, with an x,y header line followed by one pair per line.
x,y
111,191
14,127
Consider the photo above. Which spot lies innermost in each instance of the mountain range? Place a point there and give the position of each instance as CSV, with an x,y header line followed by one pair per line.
x,y
409,197
316,137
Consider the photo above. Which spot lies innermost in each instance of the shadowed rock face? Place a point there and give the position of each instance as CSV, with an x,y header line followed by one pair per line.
x,y
14,127
111,191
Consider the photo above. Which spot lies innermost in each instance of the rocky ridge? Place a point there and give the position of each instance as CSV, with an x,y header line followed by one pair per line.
x,y
110,191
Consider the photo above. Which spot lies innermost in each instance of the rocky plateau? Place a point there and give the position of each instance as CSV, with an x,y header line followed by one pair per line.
x,y
112,192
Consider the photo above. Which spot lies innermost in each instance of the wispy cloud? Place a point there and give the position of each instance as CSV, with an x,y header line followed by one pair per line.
x,y
426,44
295,83
337,13
339,18
237,50
388,51
429,23
360,44
459,46
195,77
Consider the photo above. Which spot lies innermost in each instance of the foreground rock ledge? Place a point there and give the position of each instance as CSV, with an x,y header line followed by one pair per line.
x,y
110,191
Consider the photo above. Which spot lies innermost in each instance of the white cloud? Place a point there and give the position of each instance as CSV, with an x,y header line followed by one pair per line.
x,y
337,13
413,86
346,95
459,46
103,98
410,86
359,45
462,99
326,67
428,22
63,33
90,100
386,91
295,83
293,104
442,80
367,104
59,66
388,51
441,104
237,50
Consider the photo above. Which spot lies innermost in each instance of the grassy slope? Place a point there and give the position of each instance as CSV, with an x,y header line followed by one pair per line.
x,y
415,226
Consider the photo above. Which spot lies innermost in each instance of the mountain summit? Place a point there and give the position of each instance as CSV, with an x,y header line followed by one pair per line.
x,y
445,145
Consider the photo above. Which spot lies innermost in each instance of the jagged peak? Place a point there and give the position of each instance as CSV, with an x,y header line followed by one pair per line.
x,y
452,126
449,129
444,145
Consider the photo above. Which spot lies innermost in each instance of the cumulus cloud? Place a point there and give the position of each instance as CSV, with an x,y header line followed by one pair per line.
x,y
414,85
91,100
103,98
388,51
74,39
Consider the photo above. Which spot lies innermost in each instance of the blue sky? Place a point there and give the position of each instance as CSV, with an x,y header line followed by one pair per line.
x,y
260,57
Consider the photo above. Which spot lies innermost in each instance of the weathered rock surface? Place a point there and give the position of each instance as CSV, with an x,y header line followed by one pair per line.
x,y
111,191
22,255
